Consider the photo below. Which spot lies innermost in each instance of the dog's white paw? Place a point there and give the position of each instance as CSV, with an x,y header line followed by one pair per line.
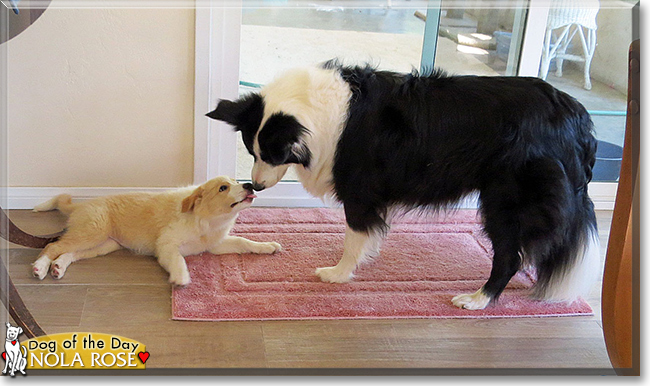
x,y
476,301
333,275
58,270
180,277
270,247
41,267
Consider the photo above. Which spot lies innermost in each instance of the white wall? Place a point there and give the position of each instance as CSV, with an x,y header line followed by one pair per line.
x,y
102,97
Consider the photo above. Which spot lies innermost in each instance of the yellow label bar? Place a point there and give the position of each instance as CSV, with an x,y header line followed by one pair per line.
x,y
85,350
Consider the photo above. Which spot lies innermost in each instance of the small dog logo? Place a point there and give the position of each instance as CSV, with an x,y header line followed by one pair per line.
x,y
15,354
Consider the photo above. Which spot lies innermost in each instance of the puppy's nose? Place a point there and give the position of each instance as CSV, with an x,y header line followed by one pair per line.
x,y
258,187
247,186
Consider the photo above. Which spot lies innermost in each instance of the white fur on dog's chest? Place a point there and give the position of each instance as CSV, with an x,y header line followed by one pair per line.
x,y
203,238
196,245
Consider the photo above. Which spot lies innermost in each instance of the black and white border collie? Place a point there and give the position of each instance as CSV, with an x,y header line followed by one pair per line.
x,y
382,143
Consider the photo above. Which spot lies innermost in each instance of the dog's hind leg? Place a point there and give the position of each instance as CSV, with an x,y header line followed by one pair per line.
x,y
75,239
60,265
505,264
499,208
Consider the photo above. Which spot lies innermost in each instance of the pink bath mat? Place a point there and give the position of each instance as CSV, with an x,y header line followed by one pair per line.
x,y
424,262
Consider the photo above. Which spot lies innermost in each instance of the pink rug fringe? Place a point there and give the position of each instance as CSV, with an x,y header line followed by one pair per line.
x,y
424,262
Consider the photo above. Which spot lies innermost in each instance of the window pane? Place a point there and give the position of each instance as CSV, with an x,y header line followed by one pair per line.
x,y
585,54
482,41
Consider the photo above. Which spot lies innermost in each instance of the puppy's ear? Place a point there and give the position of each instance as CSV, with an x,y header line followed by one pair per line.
x,y
190,202
239,112
20,330
8,324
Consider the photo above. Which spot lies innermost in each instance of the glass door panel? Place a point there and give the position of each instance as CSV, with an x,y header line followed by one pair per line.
x,y
585,54
480,41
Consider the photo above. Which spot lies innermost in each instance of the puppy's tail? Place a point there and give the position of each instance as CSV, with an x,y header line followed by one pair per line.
x,y
62,202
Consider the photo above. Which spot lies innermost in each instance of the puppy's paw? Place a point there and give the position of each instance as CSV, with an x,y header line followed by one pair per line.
x,y
262,248
182,281
57,270
333,275
476,301
270,247
180,277
41,267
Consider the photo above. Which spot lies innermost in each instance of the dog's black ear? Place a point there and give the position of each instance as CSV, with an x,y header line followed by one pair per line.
x,y
294,153
239,112
282,141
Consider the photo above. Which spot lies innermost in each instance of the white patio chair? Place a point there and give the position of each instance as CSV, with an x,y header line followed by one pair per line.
x,y
569,17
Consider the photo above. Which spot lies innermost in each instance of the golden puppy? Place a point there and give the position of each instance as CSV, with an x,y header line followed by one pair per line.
x,y
169,225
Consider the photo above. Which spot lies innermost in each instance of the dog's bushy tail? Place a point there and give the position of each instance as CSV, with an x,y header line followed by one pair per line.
x,y
568,262
62,202
572,267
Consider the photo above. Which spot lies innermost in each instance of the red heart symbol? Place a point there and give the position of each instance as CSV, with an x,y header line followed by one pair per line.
x,y
143,356
4,355
13,342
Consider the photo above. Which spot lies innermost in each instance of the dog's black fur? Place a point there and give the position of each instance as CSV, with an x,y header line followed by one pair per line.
x,y
526,147
415,141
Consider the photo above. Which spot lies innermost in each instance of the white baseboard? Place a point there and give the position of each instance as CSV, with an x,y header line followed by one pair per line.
x,y
286,194
29,197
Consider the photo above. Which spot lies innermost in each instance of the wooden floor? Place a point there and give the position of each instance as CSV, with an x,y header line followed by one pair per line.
x,y
128,295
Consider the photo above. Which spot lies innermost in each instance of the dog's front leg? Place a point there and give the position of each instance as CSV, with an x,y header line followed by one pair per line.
x,y
235,244
13,358
355,249
173,262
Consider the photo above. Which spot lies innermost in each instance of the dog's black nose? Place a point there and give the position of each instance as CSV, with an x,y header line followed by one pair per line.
x,y
247,186
258,187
